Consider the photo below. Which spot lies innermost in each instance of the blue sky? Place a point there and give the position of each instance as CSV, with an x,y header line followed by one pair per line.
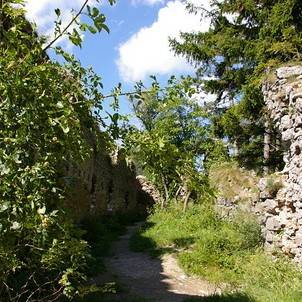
x,y
137,45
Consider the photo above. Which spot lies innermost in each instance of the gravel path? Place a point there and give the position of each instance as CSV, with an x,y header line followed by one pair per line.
x,y
158,280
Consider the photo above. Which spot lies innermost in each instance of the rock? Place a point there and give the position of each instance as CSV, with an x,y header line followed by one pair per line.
x,y
286,122
287,72
298,241
296,95
270,205
298,205
262,184
259,208
287,135
299,105
149,188
283,217
281,213
269,238
272,224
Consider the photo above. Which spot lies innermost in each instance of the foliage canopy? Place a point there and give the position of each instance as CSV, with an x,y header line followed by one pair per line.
x,y
175,144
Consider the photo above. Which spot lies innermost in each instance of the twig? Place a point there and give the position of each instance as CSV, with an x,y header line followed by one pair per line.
x,y
35,247
127,93
40,288
66,28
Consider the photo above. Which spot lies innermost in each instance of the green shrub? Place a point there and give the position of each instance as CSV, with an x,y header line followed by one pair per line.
x,y
272,280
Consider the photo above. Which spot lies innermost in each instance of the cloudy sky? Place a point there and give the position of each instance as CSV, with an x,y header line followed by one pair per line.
x,y
137,45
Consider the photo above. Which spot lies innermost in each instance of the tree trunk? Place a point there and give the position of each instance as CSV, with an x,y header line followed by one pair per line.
x,y
235,149
177,193
165,200
186,201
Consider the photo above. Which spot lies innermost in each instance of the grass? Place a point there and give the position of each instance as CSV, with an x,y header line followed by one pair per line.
x,y
236,297
228,252
231,180
273,185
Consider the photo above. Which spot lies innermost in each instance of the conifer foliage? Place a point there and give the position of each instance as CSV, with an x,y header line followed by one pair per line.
x,y
246,39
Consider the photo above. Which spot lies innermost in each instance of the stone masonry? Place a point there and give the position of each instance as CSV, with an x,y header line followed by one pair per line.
x,y
281,194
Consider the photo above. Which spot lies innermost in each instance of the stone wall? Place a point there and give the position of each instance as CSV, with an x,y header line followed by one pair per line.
x,y
281,194
105,184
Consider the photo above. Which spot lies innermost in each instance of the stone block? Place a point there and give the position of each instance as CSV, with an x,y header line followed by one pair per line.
x,y
287,135
288,72
270,205
272,224
286,122
269,238
298,241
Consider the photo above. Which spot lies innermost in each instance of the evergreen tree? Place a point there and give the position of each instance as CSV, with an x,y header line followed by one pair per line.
x,y
246,39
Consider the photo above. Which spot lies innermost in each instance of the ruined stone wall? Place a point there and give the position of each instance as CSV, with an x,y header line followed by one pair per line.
x,y
105,184
281,194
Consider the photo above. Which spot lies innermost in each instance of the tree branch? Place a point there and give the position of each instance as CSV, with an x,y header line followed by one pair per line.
x,y
68,25
128,93
122,94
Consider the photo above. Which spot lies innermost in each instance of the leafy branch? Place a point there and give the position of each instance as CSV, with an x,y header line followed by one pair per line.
x,y
67,27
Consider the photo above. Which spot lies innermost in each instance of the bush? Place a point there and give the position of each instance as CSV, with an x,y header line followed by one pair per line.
x,y
273,185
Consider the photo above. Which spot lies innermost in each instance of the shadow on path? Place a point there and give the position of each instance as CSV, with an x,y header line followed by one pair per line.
x,y
159,279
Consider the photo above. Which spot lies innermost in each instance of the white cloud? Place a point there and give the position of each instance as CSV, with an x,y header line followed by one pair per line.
x,y
148,52
147,2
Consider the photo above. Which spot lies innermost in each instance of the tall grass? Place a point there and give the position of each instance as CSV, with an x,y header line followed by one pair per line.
x,y
224,252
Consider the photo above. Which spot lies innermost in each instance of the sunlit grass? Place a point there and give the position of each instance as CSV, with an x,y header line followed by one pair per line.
x,y
228,252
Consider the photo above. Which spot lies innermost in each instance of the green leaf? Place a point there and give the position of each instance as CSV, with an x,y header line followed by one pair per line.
x,y
58,12
115,117
42,210
84,27
4,170
92,29
4,206
99,23
15,226
65,129
75,38
95,12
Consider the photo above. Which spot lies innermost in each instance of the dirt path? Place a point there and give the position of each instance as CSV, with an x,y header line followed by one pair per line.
x,y
158,280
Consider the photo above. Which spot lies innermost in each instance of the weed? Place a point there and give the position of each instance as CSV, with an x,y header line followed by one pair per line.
x,y
273,185
100,233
